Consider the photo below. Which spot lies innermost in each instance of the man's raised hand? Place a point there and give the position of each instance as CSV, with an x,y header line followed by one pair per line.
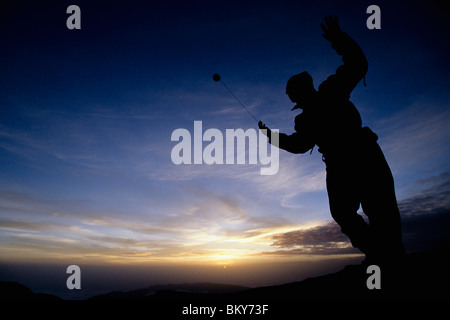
x,y
263,127
331,28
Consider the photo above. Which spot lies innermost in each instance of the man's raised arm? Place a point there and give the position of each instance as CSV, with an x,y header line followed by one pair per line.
x,y
355,63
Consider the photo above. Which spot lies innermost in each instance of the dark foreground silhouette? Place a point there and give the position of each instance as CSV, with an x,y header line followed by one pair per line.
x,y
420,276
357,171
17,291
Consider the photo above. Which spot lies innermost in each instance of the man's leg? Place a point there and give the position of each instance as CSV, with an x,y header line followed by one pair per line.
x,y
344,200
379,203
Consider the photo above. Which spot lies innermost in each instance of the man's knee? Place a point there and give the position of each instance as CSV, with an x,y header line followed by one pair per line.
x,y
352,223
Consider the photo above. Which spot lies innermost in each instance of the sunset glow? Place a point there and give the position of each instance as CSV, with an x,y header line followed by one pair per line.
x,y
87,116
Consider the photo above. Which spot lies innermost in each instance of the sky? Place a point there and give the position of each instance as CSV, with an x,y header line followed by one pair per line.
x,y
86,119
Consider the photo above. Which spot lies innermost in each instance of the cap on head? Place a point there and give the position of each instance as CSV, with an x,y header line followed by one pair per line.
x,y
300,83
300,86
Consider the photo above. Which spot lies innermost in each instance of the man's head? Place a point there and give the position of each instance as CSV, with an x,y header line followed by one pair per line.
x,y
300,89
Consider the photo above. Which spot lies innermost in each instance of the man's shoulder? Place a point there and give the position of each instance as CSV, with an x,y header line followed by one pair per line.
x,y
331,86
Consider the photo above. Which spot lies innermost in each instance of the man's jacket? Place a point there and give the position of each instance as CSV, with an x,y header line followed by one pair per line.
x,y
333,123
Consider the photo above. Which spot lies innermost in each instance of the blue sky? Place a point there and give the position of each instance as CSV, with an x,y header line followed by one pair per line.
x,y
86,118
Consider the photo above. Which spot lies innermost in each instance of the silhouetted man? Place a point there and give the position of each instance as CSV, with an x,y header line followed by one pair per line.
x,y
357,171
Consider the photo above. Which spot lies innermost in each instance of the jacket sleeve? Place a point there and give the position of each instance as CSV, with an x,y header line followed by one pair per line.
x,y
294,143
352,71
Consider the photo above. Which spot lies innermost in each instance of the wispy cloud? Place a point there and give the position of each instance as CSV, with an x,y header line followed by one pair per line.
x,y
194,211
80,230
30,226
324,239
410,136
434,196
425,219
213,226
329,232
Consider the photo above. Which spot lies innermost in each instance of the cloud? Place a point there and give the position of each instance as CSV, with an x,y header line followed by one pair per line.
x,y
316,250
100,141
426,215
21,204
410,136
433,198
207,219
425,220
327,233
324,239
20,225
